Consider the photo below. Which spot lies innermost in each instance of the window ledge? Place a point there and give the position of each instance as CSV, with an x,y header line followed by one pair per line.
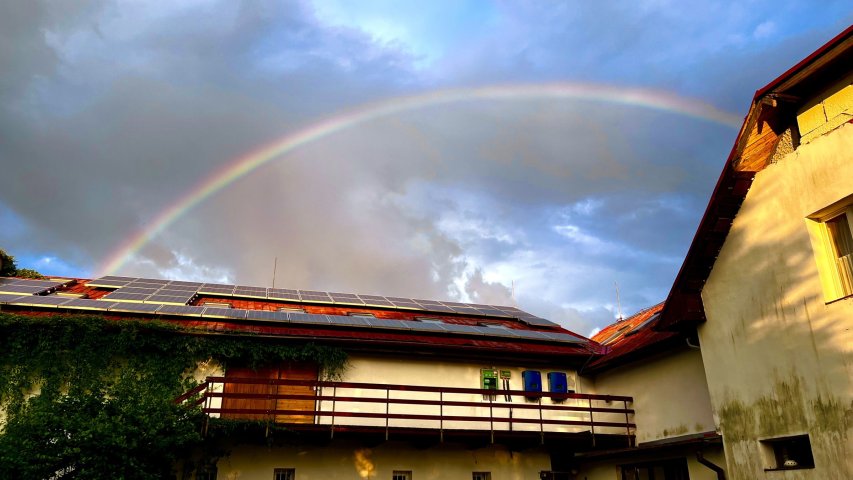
x,y
788,468
845,297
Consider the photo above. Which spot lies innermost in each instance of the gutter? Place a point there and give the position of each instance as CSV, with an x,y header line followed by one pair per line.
x,y
721,474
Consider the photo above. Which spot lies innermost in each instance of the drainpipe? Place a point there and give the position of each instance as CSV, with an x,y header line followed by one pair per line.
x,y
721,474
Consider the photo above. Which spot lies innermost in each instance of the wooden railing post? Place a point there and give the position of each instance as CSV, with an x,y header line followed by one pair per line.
x,y
628,424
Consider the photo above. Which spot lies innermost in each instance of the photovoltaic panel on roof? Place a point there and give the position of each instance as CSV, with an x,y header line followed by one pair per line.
x,y
283,296
455,304
188,310
125,297
346,300
39,301
288,291
218,285
181,288
229,313
426,326
399,299
308,318
408,305
316,298
146,282
312,292
21,289
565,337
494,312
217,291
147,291
169,299
372,297
185,284
135,307
267,316
439,308
384,323
348,321
88,304
466,310
536,321
452,327
531,335
36,283
9,297
250,292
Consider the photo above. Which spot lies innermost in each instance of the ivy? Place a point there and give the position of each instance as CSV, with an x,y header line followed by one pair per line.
x,y
103,405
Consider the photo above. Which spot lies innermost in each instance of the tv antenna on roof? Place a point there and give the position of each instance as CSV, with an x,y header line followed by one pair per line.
x,y
618,302
274,267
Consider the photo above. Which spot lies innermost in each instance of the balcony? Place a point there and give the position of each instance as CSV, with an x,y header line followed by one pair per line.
x,y
441,414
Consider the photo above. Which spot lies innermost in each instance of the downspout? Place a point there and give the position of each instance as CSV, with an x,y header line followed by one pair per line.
x,y
721,474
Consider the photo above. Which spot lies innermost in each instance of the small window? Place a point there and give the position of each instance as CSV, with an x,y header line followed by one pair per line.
x,y
207,473
291,309
361,314
481,476
841,239
788,453
832,241
284,474
401,475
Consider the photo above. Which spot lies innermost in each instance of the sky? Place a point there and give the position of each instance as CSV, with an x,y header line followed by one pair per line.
x,y
405,174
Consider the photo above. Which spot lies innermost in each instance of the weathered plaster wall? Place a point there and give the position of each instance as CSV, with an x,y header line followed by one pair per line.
x,y
670,393
777,356
352,461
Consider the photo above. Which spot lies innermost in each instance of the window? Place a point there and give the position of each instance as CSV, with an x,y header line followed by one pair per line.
x,y
788,453
429,320
401,475
832,239
284,474
481,476
207,473
217,305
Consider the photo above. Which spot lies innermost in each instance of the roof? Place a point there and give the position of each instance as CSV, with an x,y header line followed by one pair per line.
x,y
772,112
633,338
358,321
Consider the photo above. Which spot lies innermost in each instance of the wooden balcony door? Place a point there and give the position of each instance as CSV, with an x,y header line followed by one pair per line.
x,y
289,371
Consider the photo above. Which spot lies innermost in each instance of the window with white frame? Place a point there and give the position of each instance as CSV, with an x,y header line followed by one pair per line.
x,y
832,239
401,475
284,474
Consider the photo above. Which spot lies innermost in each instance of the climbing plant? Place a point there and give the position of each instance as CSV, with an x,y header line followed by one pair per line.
x,y
87,397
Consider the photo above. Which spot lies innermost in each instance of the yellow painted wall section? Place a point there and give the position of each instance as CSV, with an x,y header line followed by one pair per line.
x,y
344,460
611,469
777,356
670,393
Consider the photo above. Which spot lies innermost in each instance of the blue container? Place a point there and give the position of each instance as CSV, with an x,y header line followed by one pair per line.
x,y
557,382
532,380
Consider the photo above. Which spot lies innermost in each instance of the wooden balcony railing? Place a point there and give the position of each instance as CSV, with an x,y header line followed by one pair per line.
x,y
365,406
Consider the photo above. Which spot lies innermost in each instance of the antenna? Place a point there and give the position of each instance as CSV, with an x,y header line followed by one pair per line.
x,y
514,303
274,268
618,302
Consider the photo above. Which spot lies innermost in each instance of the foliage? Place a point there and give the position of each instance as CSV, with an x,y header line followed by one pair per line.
x,y
9,269
7,264
29,273
104,407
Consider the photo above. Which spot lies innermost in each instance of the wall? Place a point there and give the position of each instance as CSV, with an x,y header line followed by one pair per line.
x,y
670,393
436,372
342,460
777,356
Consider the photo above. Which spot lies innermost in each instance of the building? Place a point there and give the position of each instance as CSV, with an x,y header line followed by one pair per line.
x,y
767,282
431,389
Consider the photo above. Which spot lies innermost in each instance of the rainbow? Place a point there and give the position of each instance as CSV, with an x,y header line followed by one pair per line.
x,y
245,164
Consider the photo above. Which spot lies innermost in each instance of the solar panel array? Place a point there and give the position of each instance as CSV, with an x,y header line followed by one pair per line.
x,y
294,318
132,289
26,286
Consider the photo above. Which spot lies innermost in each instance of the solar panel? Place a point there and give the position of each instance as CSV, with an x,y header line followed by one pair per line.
x,y
493,312
125,297
9,297
230,313
176,292
288,291
39,301
426,326
189,310
175,283
536,321
134,307
88,304
377,303
399,299
148,281
455,304
439,308
564,337
346,298
115,277
217,291
250,292
348,321
218,285
530,334
385,323
180,288
147,291
308,318
452,327
170,299
466,310
107,283
13,288
35,283
413,306
372,297
315,298
267,316
282,294
312,292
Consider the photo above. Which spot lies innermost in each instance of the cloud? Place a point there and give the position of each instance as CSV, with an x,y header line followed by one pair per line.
x,y
111,111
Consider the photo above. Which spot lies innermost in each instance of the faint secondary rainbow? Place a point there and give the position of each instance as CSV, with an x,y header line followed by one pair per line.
x,y
245,164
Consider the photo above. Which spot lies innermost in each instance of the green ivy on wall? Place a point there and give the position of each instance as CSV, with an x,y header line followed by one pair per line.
x,y
103,407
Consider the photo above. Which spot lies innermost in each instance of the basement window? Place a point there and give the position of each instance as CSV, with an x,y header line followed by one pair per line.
x,y
788,453
284,474
481,476
401,475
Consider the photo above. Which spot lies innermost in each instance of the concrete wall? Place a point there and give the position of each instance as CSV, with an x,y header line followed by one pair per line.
x,y
670,393
343,460
778,356
611,469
